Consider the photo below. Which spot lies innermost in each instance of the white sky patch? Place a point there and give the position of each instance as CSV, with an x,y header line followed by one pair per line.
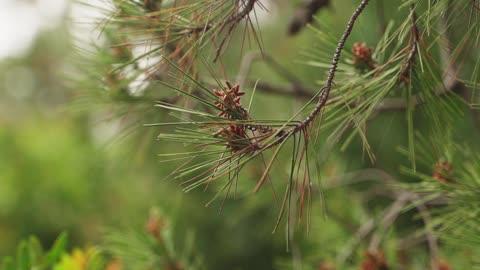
x,y
86,21
20,22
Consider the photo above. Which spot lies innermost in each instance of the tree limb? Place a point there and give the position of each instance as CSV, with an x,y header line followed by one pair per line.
x,y
304,15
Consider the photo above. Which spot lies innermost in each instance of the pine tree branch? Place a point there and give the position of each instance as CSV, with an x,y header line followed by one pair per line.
x,y
402,197
389,217
430,236
325,91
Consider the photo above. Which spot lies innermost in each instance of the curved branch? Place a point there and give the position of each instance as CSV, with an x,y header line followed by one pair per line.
x,y
325,91
389,214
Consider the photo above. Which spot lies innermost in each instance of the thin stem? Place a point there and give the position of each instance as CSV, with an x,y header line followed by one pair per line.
x,y
389,218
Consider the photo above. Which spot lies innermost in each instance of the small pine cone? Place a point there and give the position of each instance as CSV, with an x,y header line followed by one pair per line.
x,y
325,266
155,225
115,264
443,265
362,56
443,171
368,266
374,261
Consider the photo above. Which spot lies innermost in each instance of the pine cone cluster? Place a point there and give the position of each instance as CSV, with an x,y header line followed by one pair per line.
x,y
362,56
230,107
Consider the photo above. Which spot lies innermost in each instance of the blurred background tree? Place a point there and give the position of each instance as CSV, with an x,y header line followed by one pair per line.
x,y
77,154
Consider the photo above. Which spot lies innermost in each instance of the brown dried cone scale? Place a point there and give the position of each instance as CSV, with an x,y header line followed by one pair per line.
x,y
230,97
235,135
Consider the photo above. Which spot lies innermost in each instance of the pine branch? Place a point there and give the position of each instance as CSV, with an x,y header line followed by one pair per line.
x,y
402,199
325,90
389,217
